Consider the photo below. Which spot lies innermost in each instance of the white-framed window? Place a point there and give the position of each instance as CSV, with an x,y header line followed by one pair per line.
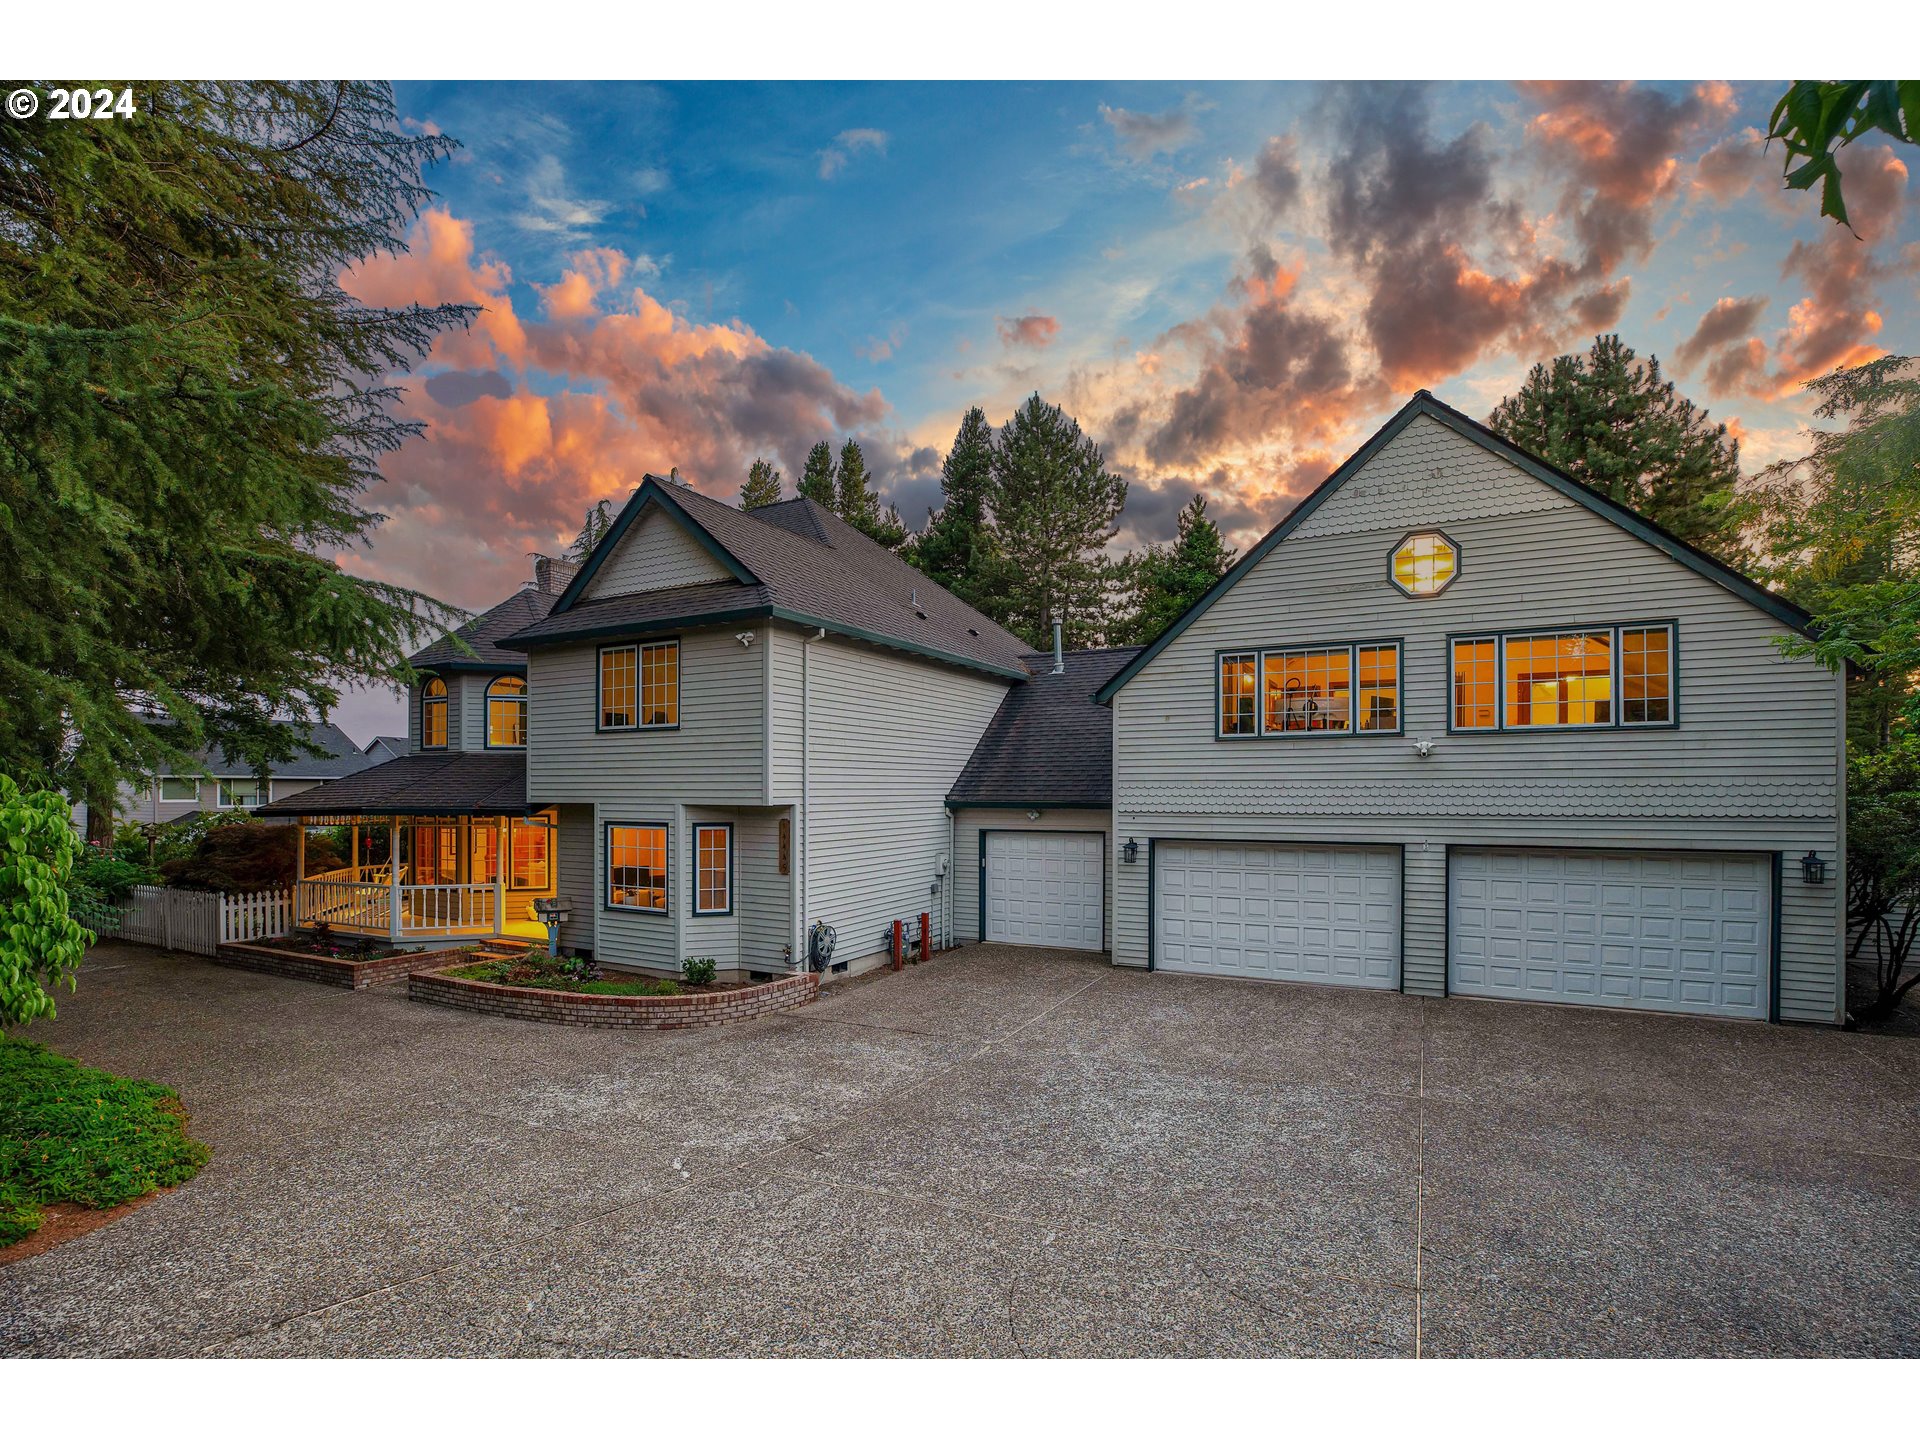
x,y
242,794
174,787
713,869
507,713
640,686
1587,678
637,867
1345,688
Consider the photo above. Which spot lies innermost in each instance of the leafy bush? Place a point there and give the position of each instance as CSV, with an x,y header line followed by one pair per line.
x,y
71,1134
114,877
1883,868
248,856
40,942
697,971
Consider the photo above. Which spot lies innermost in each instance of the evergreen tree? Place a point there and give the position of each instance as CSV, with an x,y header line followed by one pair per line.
x,y
762,487
194,410
816,481
855,501
1055,504
598,521
1165,581
957,547
1609,419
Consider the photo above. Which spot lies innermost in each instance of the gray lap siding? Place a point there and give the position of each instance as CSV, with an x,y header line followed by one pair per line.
x,y
971,822
1753,765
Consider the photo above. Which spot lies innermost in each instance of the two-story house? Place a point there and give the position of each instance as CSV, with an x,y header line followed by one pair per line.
x,y
215,780
1457,726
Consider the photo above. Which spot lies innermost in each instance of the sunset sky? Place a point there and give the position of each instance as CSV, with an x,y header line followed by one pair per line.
x,y
1229,285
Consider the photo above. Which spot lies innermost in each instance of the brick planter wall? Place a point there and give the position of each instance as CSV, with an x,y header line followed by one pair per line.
x,y
328,970
644,1012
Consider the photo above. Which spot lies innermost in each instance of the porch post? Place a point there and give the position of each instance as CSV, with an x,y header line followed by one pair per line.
x,y
501,859
353,855
299,867
393,879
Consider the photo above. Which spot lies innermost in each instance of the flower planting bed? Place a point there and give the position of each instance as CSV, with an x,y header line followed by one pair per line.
x,y
346,972
643,1012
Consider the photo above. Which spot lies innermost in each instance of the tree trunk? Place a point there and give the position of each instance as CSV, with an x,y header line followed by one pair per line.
x,y
99,820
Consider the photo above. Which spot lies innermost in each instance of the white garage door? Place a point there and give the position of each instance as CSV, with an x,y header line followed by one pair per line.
x,y
1328,914
1045,889
1646,931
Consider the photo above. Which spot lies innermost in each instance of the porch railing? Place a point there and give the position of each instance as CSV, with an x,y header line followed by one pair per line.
x,y
345,904
424,909
447,909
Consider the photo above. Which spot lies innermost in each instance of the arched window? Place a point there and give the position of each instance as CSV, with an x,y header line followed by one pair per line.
x,y
507,713
433,715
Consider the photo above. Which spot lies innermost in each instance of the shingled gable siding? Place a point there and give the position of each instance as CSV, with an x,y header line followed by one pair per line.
x,y
717,757
970,821
1753,766
888,736
656,553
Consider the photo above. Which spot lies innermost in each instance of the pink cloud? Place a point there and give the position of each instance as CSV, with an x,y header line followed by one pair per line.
x,y
1036,332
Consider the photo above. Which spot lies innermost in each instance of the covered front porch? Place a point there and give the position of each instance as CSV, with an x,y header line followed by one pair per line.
x,y
428,878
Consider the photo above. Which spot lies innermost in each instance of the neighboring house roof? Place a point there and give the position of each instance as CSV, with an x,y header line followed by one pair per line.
x,y
1423,403
483,634
338,756
395,743
1048,743
450,783
793,561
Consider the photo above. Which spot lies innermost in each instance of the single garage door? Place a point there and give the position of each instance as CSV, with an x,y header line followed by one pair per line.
x,y
1328,914
1044,889
1641,930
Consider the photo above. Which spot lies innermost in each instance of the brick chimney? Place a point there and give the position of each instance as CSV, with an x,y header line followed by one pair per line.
x,y
551,575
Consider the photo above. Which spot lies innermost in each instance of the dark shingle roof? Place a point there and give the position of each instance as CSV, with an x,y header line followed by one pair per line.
x,y
1048,743
630,614
484,632
811,567
338,756
449,783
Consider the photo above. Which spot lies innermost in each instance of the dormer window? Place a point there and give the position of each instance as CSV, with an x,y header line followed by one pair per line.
x,y
433,715
1425,563
507,713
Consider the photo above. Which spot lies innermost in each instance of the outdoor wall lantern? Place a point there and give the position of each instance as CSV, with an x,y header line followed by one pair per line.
x,y
1813,869
1130,852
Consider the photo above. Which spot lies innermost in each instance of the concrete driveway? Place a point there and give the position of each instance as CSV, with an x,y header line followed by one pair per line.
x,y
1005,1152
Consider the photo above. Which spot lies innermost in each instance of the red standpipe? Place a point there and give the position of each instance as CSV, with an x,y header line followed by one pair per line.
x,y
926,936
899,946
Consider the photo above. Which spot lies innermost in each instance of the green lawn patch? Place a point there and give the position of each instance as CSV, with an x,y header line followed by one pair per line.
x,y
72,1134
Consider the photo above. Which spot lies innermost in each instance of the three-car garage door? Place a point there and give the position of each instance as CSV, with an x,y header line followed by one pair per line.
x,y
1328,914
1641,930
1044,888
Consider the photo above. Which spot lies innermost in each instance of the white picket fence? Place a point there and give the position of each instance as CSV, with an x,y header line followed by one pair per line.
x,y
201,921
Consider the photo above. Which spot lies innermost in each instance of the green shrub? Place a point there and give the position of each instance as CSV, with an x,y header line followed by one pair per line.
x,y
246,857
114,877
41,944
697,971
75,1135
539,972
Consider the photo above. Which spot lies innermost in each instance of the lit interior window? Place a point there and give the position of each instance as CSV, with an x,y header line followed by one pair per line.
x,y
637,867
1646,676
1237,715
1476,685
1559,679
1425,563
507,712
1308,690
1378,699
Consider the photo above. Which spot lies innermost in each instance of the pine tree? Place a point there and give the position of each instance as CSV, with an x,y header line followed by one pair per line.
x,y
194,410
856,502
1609,419
816,481
599,520
762,487
1166,580
1055,505
957,547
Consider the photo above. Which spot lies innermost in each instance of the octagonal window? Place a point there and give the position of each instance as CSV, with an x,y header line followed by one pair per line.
x,y
1425,563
